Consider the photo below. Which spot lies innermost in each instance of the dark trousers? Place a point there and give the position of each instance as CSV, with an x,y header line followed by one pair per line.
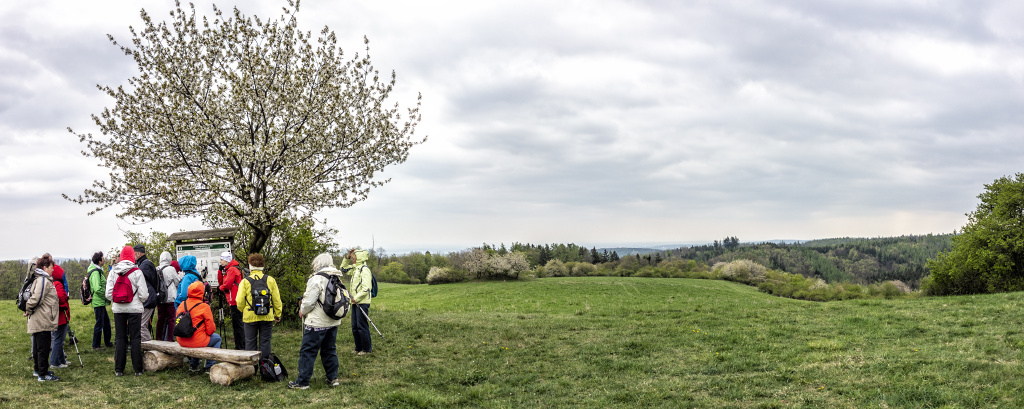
x,y
237,329
102,327
322,342
165,322
361,327
127,331
41,342
257,337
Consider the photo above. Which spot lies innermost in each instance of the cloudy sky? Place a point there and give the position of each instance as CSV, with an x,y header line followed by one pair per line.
x,y
594,122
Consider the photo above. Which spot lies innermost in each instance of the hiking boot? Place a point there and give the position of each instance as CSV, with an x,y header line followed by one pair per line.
x,y
61,366
194,369
138,374
294,385
118,373
333,382
361,353
48,377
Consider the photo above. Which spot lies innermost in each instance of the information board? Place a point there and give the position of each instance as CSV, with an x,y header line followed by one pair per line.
x,y
207,257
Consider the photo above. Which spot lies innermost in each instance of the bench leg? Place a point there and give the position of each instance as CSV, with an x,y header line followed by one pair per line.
x,y
224,373
154,361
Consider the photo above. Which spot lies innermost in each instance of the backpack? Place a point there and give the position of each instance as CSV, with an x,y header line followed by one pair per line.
x,y
260,295
271,369
373,283
123,293
26,291
154,292
336,300
183,323
87,288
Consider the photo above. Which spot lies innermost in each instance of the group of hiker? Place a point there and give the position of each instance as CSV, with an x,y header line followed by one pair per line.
x,y
180,297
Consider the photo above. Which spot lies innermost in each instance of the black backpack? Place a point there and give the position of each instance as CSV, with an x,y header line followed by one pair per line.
x,y
272,370
260,292
87,287
154,293
336,300
26,291
183,323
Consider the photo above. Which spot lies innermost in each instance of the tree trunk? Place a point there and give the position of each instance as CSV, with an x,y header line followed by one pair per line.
x,y
260,236
216,354
154,361
224,373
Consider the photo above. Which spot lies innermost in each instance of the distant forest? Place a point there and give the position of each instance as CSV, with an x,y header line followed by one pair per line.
x,y
843,260
853,260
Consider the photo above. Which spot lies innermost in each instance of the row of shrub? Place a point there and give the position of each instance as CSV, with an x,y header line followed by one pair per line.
x,y
514,266
796,286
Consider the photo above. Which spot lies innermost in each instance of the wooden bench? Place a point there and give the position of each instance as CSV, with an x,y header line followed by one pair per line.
x,y
232,365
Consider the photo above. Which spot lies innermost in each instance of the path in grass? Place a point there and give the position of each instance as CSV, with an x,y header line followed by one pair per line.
x,y
611,342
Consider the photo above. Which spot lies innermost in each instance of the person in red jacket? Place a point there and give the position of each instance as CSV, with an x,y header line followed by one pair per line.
x,y
229,285
202,320
58,359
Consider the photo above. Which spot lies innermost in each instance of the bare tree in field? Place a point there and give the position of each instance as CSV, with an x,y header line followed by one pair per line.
x,y
243,122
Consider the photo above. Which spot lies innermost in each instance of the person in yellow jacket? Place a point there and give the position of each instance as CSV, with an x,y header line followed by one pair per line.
x,y
260,302
359,287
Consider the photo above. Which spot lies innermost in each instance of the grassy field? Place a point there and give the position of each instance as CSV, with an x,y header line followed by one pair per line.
x,y
600,342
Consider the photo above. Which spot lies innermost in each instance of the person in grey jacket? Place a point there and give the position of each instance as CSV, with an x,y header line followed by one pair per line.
x,y
165,310
127,316
41,310
319,330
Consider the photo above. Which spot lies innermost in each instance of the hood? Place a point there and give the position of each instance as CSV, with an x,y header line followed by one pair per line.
x,y
177,267
230,264
127,253
362,256
188,263
123,266
196,290
165,259
58,273
42,272
324,263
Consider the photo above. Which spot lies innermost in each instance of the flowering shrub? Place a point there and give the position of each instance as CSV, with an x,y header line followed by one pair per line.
x,y
443,275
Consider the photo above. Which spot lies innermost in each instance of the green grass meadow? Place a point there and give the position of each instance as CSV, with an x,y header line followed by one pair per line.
x,y
598,342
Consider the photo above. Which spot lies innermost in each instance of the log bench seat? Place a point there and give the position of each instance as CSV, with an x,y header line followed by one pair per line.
x,y
232,365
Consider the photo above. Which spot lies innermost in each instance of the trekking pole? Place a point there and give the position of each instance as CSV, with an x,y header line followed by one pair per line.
x,y
371,323
74,340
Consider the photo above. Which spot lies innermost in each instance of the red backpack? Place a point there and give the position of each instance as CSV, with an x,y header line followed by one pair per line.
x,y
123,293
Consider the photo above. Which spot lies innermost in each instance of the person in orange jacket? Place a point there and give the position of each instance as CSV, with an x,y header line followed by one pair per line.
x,y
205,334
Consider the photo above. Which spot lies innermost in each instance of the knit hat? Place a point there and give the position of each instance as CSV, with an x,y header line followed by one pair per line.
x,y
177,267
127,253
139,248
226,256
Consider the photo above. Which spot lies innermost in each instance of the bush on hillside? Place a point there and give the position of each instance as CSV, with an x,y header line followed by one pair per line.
x,y
445,275
555,268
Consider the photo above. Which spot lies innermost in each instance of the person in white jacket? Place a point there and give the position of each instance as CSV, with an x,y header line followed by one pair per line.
x,y
127,315
320,331
165,309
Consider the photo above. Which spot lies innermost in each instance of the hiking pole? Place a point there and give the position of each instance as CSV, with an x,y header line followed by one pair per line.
x,y
371,323
74,340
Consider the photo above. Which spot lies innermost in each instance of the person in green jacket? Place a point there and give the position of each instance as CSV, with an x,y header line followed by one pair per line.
x,y
261,308
359,287
98,286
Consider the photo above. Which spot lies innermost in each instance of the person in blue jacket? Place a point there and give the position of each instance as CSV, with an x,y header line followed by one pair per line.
x,y
190,275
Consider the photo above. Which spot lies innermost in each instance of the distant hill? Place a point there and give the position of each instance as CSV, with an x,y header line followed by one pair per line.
x,y
847,259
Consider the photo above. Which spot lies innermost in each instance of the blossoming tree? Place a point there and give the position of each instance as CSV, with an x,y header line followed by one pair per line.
x,y
243,122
